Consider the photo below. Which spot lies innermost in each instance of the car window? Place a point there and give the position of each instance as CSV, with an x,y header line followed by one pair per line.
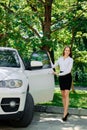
x,y
9,58
43,57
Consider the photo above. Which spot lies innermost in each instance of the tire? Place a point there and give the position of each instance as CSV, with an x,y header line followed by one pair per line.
x,y
27,114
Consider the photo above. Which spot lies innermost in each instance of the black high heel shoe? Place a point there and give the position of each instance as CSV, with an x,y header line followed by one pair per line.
x,y
65,118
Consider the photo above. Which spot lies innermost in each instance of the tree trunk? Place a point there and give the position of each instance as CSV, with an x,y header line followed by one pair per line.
x,y
73,38
72,41
47,19
47,26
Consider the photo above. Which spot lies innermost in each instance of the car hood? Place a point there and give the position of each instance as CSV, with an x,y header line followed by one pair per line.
x,y
6,73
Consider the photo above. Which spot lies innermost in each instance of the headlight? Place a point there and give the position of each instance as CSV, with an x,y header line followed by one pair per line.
x,y
12,83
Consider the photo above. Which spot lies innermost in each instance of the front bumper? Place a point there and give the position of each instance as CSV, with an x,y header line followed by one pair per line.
x,y
12,102
14,116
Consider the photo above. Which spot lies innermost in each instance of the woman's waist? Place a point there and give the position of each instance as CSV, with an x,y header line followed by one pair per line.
x,y
67,74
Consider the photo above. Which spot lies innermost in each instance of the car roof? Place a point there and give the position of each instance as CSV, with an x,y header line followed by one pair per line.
x,y
7,48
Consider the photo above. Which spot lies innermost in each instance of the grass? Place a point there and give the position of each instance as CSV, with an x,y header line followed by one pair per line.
x,y
78,99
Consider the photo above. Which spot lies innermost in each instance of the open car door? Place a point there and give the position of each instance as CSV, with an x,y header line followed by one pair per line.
x,y
41,78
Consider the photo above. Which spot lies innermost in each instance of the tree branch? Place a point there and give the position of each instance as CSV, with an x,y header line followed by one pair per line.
x,y
34,30
74,19
41,1
2,4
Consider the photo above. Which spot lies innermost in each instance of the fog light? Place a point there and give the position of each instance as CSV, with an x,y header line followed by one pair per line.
x,y
12,103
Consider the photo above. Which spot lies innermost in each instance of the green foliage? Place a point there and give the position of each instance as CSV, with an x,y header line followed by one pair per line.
x,y
22,24
27,17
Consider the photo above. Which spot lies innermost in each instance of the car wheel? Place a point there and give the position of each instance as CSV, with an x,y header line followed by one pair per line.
x,y
27,114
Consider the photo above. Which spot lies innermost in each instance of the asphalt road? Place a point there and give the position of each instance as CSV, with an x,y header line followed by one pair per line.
x,y
49,121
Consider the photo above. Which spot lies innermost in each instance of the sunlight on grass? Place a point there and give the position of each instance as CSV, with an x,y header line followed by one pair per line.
x,y
78,99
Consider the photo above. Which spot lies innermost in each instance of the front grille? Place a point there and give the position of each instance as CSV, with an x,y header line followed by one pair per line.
x,y
5,104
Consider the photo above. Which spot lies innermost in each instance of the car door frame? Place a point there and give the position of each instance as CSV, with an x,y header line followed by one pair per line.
x,y
41,82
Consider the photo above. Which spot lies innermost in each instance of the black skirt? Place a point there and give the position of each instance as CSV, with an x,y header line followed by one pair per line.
x,y
65,81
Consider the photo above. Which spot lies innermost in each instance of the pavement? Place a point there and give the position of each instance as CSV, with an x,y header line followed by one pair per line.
x,y
59,110
50,121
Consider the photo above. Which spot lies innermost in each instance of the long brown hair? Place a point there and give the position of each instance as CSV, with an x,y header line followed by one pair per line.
x,y
70,51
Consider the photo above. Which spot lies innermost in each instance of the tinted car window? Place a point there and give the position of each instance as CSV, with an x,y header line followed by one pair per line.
x,y
43,57
9,58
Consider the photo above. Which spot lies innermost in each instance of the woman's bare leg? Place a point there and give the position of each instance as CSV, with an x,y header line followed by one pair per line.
x,y
65,100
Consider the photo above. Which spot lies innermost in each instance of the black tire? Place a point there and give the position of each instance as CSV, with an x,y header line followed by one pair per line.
x,y
27,114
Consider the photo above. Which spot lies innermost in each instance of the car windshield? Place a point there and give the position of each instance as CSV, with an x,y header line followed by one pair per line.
x,y
9,58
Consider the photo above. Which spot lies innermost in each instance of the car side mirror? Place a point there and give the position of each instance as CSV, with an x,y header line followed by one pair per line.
x,y
36,65
33,65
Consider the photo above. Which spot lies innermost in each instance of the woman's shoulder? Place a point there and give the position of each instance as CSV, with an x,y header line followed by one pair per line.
x,y
71,58
60,58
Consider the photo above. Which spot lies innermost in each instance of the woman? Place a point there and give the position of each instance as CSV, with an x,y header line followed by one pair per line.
x,y
65,63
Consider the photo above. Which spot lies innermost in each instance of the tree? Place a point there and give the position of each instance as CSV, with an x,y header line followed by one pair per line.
x,y
45,24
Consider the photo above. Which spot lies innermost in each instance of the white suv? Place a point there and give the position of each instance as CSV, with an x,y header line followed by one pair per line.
x,y
23,85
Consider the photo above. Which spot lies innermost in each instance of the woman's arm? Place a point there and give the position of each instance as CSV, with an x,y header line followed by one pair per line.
x,y
52,65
